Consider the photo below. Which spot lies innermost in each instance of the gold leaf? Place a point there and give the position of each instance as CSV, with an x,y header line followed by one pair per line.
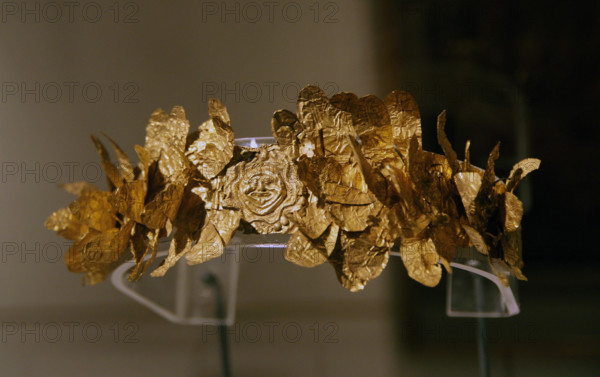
x,y
213,149
331,240
66,225
209,246
165,142
303,252
352,218
311,218
477,240
445,143
93,209
468,185
217,110
520,170
405,119
180,246
128,199
421,261
124,164
513,212
163,207
512,246
225,221
360,261
113,176
284,126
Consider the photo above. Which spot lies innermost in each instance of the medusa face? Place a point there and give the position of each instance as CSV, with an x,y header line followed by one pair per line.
x,y
262,188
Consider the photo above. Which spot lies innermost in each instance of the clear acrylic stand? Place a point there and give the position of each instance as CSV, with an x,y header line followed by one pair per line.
x,y
203,294
473,290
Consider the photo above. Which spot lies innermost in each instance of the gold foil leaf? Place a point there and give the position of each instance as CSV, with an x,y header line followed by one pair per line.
x,y
66,225
311,218
226,221
331,240
97,254
311,105
385,228
145,160
108,246
74,257
284,126
489,176
477,240
345,101
124,164
217,110
371,120
339,137
209,246
303,252
113,176
446,238
166,137
93,209
152,238
139,247
163,207
354,218
445,143
468,185
405,119
180,246
361,261
335,182
373,115
421,261
213,149
191,214
128,199
513,212
166,132
466,165
512,246
520,170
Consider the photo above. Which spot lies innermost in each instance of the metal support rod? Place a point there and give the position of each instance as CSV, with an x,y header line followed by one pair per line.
x,y
211,279
482,341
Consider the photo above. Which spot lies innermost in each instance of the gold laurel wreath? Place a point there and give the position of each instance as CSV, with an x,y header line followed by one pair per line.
x,y
348,179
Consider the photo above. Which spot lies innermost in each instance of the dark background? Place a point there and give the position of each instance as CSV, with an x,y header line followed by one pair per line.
x,y
482,58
